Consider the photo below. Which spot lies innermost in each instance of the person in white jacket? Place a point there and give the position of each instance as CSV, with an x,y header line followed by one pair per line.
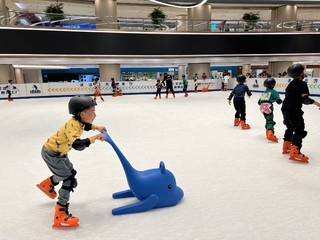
x,y
9,89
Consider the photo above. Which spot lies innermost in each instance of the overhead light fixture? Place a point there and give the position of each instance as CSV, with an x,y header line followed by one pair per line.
x,y
176,5
41,66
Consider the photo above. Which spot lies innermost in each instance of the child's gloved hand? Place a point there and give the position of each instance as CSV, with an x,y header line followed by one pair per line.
x,y
100,137
101,128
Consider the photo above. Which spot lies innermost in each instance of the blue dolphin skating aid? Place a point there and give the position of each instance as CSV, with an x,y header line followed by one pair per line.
x,y
155,188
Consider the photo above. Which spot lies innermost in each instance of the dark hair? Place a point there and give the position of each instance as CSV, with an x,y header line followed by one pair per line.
x,y
241,78
269,83
295,70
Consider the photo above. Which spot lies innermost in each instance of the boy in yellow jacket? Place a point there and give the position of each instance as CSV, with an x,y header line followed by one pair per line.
x,y
55,154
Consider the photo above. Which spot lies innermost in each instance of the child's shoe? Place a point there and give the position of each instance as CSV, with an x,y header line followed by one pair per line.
x,y
286,147
62,218
166,95
296,155
271,136
155,98
244,126
47,187
236,122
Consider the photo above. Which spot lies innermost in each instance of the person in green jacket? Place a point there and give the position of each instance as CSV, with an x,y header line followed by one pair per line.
x,y
185,85
268,97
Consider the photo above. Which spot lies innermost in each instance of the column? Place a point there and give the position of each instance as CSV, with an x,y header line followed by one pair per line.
x,y
108,71
6,73
32,76
198,68
316,72
284,19
246,68
3,11
182,23
200,18
181,71
106,13
19,75
278,67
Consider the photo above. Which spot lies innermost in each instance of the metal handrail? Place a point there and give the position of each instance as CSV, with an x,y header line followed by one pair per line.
x,y
32,20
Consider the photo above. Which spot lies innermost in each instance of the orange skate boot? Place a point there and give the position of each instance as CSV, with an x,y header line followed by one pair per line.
x,y
296,155
286,147
271,136
47,186
236,122
62,218
244,126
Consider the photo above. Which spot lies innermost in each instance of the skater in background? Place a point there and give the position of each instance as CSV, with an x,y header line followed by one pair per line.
x,y
268,97
55,154
225,80
9,88
195,80
238,94
204,76
97,90
114,87
118,90
169,84
159,87
297,93
185,85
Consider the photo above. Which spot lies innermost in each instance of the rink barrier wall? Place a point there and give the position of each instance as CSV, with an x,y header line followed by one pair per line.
x,y
37,90
52,89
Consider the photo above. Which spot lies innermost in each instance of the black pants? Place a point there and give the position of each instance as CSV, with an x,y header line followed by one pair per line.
x,y
240,107
9,94
158,92
169,87
295,128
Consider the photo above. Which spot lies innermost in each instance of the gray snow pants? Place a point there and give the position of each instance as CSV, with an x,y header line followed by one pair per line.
x,y
62,170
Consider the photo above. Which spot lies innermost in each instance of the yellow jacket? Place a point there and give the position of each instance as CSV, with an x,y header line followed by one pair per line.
x,y
63,139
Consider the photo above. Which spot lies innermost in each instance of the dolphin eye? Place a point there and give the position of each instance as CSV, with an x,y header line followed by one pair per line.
x,y
169,186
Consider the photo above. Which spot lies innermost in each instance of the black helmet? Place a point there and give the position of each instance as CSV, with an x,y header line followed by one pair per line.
x,y
78,103
295,70
241,78
269,83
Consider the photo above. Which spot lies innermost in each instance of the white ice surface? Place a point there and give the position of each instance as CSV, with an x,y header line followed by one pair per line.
x,y
237,185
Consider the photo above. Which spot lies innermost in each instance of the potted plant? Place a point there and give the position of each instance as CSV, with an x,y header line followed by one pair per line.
x,y
157,16
251,18
55,12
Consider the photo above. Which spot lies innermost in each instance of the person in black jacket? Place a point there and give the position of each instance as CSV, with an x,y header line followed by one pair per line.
x,y
239,102
297,93
169,84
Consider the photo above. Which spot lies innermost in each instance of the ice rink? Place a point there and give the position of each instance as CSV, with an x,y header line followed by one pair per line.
x,y
237,185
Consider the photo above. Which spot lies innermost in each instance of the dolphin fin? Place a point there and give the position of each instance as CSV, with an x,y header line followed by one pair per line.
x,y
123,194
141,206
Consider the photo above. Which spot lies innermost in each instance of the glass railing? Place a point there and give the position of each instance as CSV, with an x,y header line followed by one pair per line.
x,y
144,24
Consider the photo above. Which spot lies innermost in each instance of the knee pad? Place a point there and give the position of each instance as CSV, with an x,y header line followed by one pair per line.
x,y
71,182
